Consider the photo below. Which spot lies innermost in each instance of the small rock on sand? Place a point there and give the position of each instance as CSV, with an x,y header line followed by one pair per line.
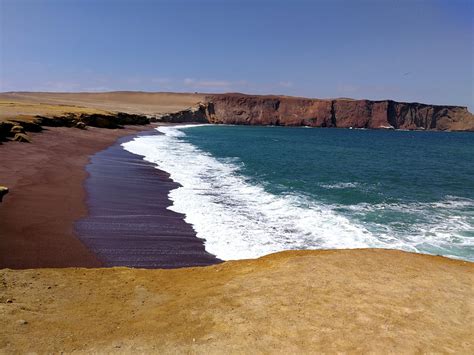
x,y
17,129
81,125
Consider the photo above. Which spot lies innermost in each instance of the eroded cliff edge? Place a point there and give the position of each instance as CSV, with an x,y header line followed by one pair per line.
x,y
342,113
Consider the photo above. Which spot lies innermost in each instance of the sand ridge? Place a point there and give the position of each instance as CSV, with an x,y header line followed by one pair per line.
x,y
297,301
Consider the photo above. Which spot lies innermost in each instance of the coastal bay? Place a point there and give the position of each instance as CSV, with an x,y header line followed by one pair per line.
x,y
80,205
236,177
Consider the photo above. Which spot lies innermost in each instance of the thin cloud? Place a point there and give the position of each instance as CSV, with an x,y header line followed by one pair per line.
x,y
285,84
62,86
208,83
161,80
367,90
97,89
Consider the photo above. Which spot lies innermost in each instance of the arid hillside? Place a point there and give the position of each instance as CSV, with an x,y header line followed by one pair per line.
x,y
44,103
355,301
24,112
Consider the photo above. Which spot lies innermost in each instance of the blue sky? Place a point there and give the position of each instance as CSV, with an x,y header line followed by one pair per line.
x,y
399,49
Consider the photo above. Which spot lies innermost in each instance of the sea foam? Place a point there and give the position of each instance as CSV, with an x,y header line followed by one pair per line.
x,y
239,219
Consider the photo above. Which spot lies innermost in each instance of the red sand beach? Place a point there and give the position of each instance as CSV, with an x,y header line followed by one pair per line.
x,y
118,203
46,196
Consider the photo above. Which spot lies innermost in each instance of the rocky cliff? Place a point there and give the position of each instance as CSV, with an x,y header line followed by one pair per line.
x,y
342,113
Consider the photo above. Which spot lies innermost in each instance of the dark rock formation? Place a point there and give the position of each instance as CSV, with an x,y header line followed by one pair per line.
x,y
199,113
3,192
81,125
17,129
100,121
60,121
343,113
132,119
29,125
5,129
94,120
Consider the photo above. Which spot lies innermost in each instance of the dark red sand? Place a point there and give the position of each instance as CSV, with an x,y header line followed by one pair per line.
x,y
128,222
46,196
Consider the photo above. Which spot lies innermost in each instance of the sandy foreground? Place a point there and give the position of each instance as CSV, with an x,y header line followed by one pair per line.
x,y
299,301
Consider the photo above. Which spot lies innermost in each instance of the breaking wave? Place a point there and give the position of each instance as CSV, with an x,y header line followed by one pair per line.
x,y
239,219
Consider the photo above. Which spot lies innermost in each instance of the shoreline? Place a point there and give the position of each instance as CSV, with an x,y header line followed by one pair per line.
x,y
47,195
50,218
128,221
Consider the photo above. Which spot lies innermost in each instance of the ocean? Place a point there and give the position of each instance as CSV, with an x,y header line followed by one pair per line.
x,y
250,191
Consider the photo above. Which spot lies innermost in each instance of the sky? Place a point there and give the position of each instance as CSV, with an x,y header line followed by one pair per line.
x,y
405,50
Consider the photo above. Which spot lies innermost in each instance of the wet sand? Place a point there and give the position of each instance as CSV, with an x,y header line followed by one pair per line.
x,y
128,222
46,196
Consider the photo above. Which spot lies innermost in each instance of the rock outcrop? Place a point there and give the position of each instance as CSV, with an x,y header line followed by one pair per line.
x,y
200,114
5,129
15,129
3,192
28,125
81,125
93,120
342,113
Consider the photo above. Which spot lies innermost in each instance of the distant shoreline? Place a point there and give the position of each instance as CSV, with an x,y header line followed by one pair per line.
x,y
229,108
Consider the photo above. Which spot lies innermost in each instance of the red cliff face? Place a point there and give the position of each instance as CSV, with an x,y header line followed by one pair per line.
x,y
344,113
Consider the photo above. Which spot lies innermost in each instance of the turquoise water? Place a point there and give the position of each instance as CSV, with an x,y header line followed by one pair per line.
x,y
253,190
